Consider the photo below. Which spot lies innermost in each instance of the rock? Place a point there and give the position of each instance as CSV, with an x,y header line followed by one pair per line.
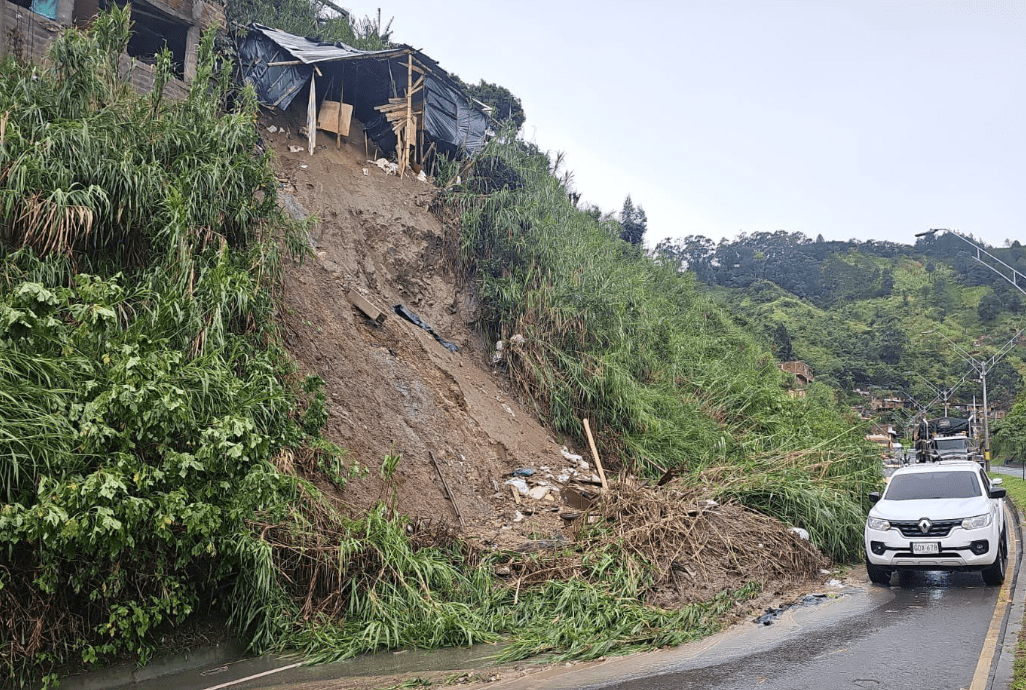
x,y
573,457
539,492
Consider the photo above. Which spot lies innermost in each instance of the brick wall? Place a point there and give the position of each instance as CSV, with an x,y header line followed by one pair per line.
x,y
27,36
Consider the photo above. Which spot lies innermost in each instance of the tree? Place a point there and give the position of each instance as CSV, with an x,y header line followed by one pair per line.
x,y
633,221
782,343
1010,434
505,105
989,307
891,346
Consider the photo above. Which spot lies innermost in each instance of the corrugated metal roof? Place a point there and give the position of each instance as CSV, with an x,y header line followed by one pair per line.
x,y
309,52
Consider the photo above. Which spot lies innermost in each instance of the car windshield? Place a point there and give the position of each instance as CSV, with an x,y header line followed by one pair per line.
x,y
921,485
951,444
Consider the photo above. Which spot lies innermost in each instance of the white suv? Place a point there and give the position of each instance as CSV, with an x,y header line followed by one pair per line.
x,y
938,516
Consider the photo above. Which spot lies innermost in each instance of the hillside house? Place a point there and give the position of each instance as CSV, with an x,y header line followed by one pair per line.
x,y
27,28
802,373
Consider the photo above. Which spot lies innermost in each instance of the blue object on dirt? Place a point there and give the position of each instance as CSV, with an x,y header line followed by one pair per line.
x,y
523,472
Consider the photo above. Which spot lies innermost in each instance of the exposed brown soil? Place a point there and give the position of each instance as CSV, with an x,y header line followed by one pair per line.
x,y
392,388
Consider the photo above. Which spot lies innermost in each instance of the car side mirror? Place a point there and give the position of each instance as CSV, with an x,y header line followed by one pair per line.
x,y
874,496
998,492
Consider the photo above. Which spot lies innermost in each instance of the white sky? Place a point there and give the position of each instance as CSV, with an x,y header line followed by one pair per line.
x,y
867,119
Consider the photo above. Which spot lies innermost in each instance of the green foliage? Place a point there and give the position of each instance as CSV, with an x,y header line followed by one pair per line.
x,y
312,18
1010,432
142,397
506,107
873,341
665,376
634,222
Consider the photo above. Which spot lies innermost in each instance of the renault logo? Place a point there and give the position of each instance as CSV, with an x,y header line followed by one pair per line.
x,y
925,525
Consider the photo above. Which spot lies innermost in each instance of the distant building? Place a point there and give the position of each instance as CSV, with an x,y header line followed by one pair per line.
x,y
802,373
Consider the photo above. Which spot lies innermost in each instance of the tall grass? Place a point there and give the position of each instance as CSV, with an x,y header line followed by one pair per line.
x,y
668,378
142,396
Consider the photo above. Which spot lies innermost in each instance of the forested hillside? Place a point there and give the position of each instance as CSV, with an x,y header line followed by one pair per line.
x,y
870,314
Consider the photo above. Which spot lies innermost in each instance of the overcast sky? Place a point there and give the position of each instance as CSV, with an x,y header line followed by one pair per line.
x,y
867,119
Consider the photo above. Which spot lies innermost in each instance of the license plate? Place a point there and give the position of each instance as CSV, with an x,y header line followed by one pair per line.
x,y
925,547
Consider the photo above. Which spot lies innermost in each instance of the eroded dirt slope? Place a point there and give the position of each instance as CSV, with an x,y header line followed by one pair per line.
x,y
392,388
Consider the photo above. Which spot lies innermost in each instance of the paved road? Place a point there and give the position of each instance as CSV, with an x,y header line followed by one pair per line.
x,y
926,633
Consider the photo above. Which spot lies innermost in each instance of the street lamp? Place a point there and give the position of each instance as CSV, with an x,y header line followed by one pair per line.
x,y
1018,280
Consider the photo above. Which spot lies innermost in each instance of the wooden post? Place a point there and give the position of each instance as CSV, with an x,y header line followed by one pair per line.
x,y
409,115
338,124
594,452
311,115
448,491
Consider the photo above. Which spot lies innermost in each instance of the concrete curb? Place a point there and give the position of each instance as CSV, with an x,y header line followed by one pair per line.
x,y
1001,671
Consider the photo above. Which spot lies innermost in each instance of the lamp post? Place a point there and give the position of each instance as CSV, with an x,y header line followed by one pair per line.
x,y
1017,280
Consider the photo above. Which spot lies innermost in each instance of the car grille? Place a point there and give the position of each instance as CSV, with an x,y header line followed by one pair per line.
x,y
938,528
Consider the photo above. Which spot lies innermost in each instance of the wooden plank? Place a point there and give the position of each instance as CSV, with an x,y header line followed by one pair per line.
x,y
372,312
311,115
409,116
448,491
334,119
338,121
594,452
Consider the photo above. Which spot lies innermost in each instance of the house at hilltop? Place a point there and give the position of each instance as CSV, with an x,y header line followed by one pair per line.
x,y
409,106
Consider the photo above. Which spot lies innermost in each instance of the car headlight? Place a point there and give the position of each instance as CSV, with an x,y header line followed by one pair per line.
x,y
877,524
976,522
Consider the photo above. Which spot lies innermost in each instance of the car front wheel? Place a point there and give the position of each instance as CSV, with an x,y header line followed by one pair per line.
x,y
878,575
994,574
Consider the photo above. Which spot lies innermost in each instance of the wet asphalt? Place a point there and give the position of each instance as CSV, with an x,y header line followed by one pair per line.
x,y
925,632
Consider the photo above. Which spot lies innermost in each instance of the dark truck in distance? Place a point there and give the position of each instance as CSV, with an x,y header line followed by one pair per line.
x,y
945,438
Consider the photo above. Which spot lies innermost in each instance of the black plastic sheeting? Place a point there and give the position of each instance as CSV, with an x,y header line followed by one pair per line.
x,y
365,79
276,86
415,320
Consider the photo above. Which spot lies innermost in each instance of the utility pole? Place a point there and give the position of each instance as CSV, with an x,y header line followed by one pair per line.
x,y
982,367
1018,281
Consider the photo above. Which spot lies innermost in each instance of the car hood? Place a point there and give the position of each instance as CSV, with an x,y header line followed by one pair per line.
x,y
933,508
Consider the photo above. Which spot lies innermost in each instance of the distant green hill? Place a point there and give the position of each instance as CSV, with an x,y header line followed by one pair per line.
x,y
866,314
